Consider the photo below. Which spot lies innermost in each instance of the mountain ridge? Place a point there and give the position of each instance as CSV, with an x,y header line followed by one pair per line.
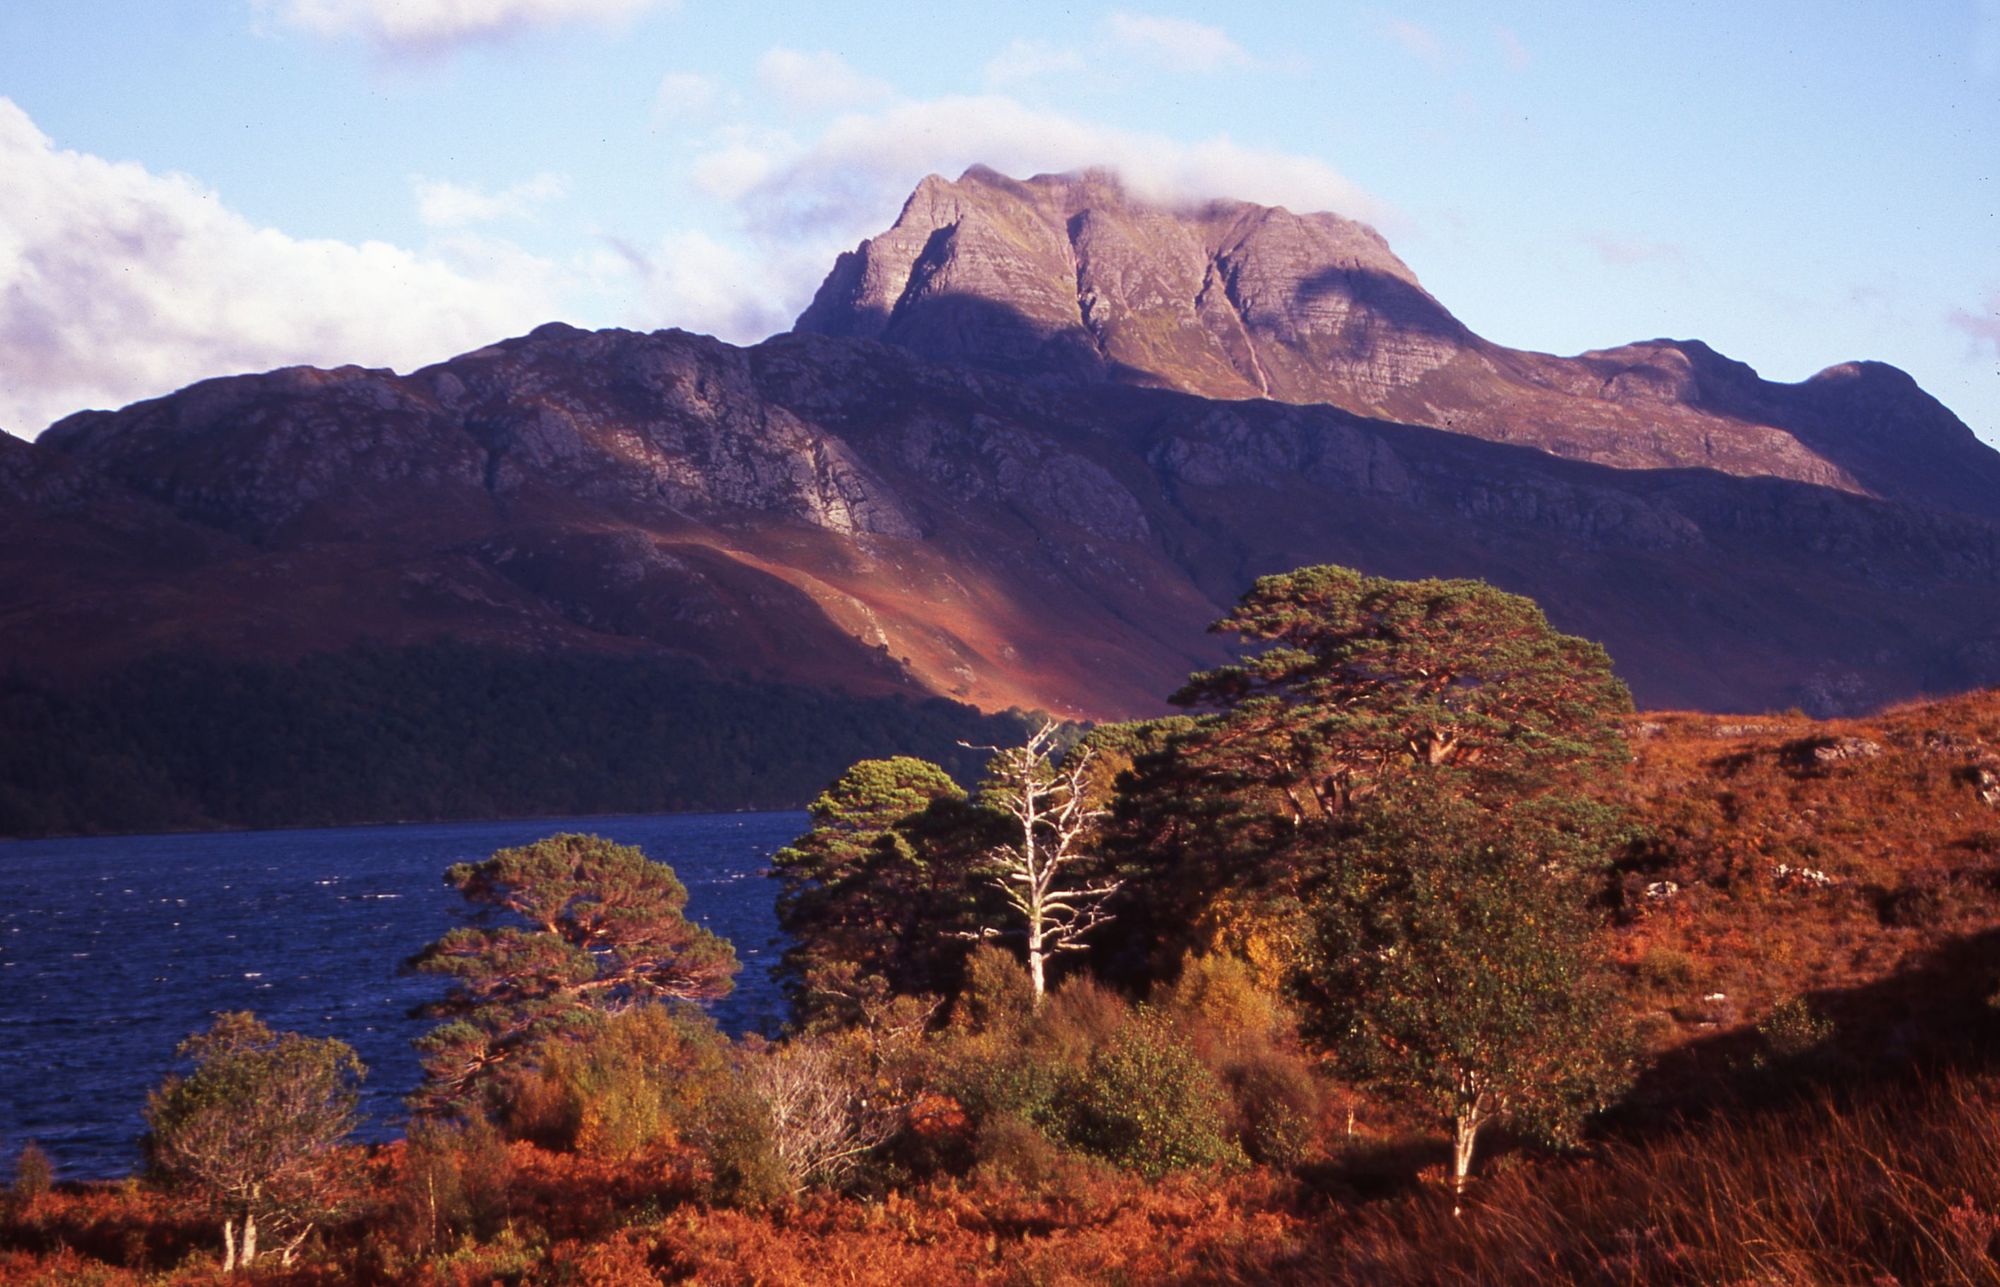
x,y
848,514
1072,276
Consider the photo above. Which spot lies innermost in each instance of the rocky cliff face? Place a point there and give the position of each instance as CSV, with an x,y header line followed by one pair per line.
x,y
843,512
1069,276
1021,450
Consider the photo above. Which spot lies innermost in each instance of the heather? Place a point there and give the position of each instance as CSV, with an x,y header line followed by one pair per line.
x,y
1408,954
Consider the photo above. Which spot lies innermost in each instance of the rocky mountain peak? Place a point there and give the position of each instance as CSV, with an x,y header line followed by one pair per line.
x,y
1073,275
1076,277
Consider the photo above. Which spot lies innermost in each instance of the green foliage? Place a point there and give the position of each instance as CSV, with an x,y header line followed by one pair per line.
x,y
1793,1030
1087,1071
604,929
1456,970
1355,683
877,895
997,996
739,1146
1146,1102
1279,1104
1012,1150
1667,970
252,1126
1243,1030
1363,677
1220,1001
436,731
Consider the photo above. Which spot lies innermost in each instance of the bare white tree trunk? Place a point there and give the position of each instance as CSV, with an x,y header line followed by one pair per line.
x,y
1036,874
249,1252
291,1249
228,1245
1465,1132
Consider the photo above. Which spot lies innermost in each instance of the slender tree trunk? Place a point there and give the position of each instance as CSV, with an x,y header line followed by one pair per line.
x,y
1465,1131
249,1240
1035,957
228,1245
291,1249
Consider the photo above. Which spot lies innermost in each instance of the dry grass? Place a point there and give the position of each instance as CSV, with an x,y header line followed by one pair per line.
x,y
1901,1186
1791,1155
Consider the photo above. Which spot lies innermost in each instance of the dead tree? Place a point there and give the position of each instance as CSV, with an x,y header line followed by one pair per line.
x,y
1046,875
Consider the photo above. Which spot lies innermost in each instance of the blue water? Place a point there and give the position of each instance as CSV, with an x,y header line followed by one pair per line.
x,y
112,950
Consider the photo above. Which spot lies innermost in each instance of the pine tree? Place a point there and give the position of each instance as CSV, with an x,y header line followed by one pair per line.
x,y
603,930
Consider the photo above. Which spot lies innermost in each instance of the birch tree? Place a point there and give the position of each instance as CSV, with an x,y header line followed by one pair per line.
x,y
252,1127
1047,876
1455,970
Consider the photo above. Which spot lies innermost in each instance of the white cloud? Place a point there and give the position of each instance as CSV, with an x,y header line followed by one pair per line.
x,y
1026,60
1175,43
811,82
1984,328
444,204
737,160
697,282
847,182
118,284
1417,40
801,201
1513,51
685,96
431,25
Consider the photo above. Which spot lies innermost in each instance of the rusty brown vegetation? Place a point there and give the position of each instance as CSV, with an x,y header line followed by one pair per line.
x,y
1806,928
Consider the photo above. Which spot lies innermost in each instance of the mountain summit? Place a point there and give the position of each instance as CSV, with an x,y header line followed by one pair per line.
x,y
1071,276
1024,447
1070,273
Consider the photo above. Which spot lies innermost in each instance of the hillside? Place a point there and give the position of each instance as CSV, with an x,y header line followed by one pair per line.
x,y
1010,461
1840,871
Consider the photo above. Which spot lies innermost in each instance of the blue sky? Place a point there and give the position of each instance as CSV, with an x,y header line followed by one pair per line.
x,y
198,187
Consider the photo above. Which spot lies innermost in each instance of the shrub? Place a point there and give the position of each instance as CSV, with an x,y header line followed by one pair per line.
x,y
1666,969
637,1081
455,1182
998,996
1278,1102
1147,1103
1794,1030
1013,1151
1223,1007
251,1130
34,1174
1079,1018
823,1125
736,1143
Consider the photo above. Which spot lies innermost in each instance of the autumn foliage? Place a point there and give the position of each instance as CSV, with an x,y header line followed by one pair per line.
x,y
1769,947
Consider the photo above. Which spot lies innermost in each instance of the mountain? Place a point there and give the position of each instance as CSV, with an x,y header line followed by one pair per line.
x,y
1070,275
939,487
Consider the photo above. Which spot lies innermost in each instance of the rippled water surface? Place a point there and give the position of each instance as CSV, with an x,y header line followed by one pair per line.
x,y
112,950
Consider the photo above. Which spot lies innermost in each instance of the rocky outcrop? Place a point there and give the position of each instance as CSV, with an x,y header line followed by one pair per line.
x,y
1072,277
1022,450
1069,274
842,512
